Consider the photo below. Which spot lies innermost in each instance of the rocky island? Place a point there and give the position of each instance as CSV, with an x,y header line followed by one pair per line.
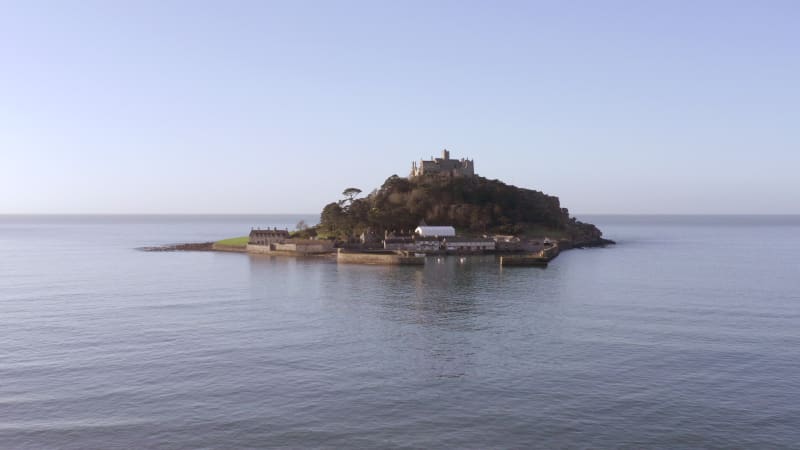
x,y
447,192
441,207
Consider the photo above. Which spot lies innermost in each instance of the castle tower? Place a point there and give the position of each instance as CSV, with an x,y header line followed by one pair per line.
x,y
445,154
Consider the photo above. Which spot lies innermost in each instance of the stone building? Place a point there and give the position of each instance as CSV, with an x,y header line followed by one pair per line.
x,y
427,244
399,243
275,241
443,166
267,236
511,244
370,238
468,245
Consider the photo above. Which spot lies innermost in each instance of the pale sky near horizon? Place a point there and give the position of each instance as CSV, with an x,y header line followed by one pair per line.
x,y
276,107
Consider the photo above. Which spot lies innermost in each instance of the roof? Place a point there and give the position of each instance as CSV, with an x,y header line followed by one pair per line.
x,y
425,230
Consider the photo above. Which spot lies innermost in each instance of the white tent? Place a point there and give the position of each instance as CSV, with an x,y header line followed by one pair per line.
x,y
427,231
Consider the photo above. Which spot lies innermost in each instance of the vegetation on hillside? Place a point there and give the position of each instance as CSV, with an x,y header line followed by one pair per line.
x,y
470,204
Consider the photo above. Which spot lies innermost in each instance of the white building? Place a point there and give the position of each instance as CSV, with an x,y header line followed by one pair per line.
x,y
428,231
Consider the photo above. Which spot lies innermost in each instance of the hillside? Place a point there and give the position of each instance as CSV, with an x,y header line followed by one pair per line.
x,y
473,205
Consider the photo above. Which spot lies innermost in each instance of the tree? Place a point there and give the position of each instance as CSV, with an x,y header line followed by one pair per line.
x,y
332,218
476,204
350,194
301,225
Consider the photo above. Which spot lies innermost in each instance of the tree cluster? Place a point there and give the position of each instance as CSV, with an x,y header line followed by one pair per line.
x,y
471,204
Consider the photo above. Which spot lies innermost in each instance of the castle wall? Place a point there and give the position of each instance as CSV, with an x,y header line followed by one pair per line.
x,y
443,166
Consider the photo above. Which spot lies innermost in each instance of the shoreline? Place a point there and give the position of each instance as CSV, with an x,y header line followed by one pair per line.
x,y
184,247
215,247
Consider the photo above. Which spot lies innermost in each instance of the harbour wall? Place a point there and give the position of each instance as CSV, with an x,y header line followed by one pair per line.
x,y
228,248
292,248
378,258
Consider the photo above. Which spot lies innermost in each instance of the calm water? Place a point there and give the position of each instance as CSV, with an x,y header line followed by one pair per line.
x,y
685,335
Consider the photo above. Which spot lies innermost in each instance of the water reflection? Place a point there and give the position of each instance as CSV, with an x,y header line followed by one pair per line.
x,y
434,318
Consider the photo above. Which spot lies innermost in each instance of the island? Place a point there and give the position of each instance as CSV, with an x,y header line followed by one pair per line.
x,y
441,208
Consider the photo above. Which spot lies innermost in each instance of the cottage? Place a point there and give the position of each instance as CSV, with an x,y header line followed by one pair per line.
x,y
468,245
516,244
369,237
506,243
424,244
399,243
429,231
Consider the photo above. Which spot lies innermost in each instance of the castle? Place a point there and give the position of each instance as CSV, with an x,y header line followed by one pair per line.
x,y
443,166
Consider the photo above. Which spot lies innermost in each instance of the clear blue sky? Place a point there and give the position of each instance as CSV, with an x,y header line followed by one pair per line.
x,y
276,107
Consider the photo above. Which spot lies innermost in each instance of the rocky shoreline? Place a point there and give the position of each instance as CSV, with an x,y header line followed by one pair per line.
x,y
187,247
599,242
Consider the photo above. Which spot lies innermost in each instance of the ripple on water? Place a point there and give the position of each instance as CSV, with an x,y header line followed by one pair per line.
x,y
658,342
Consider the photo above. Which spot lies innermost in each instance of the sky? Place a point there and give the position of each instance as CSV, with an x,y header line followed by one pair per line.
x,y
628,107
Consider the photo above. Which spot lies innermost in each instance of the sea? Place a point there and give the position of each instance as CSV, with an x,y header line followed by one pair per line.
x,y
685,334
